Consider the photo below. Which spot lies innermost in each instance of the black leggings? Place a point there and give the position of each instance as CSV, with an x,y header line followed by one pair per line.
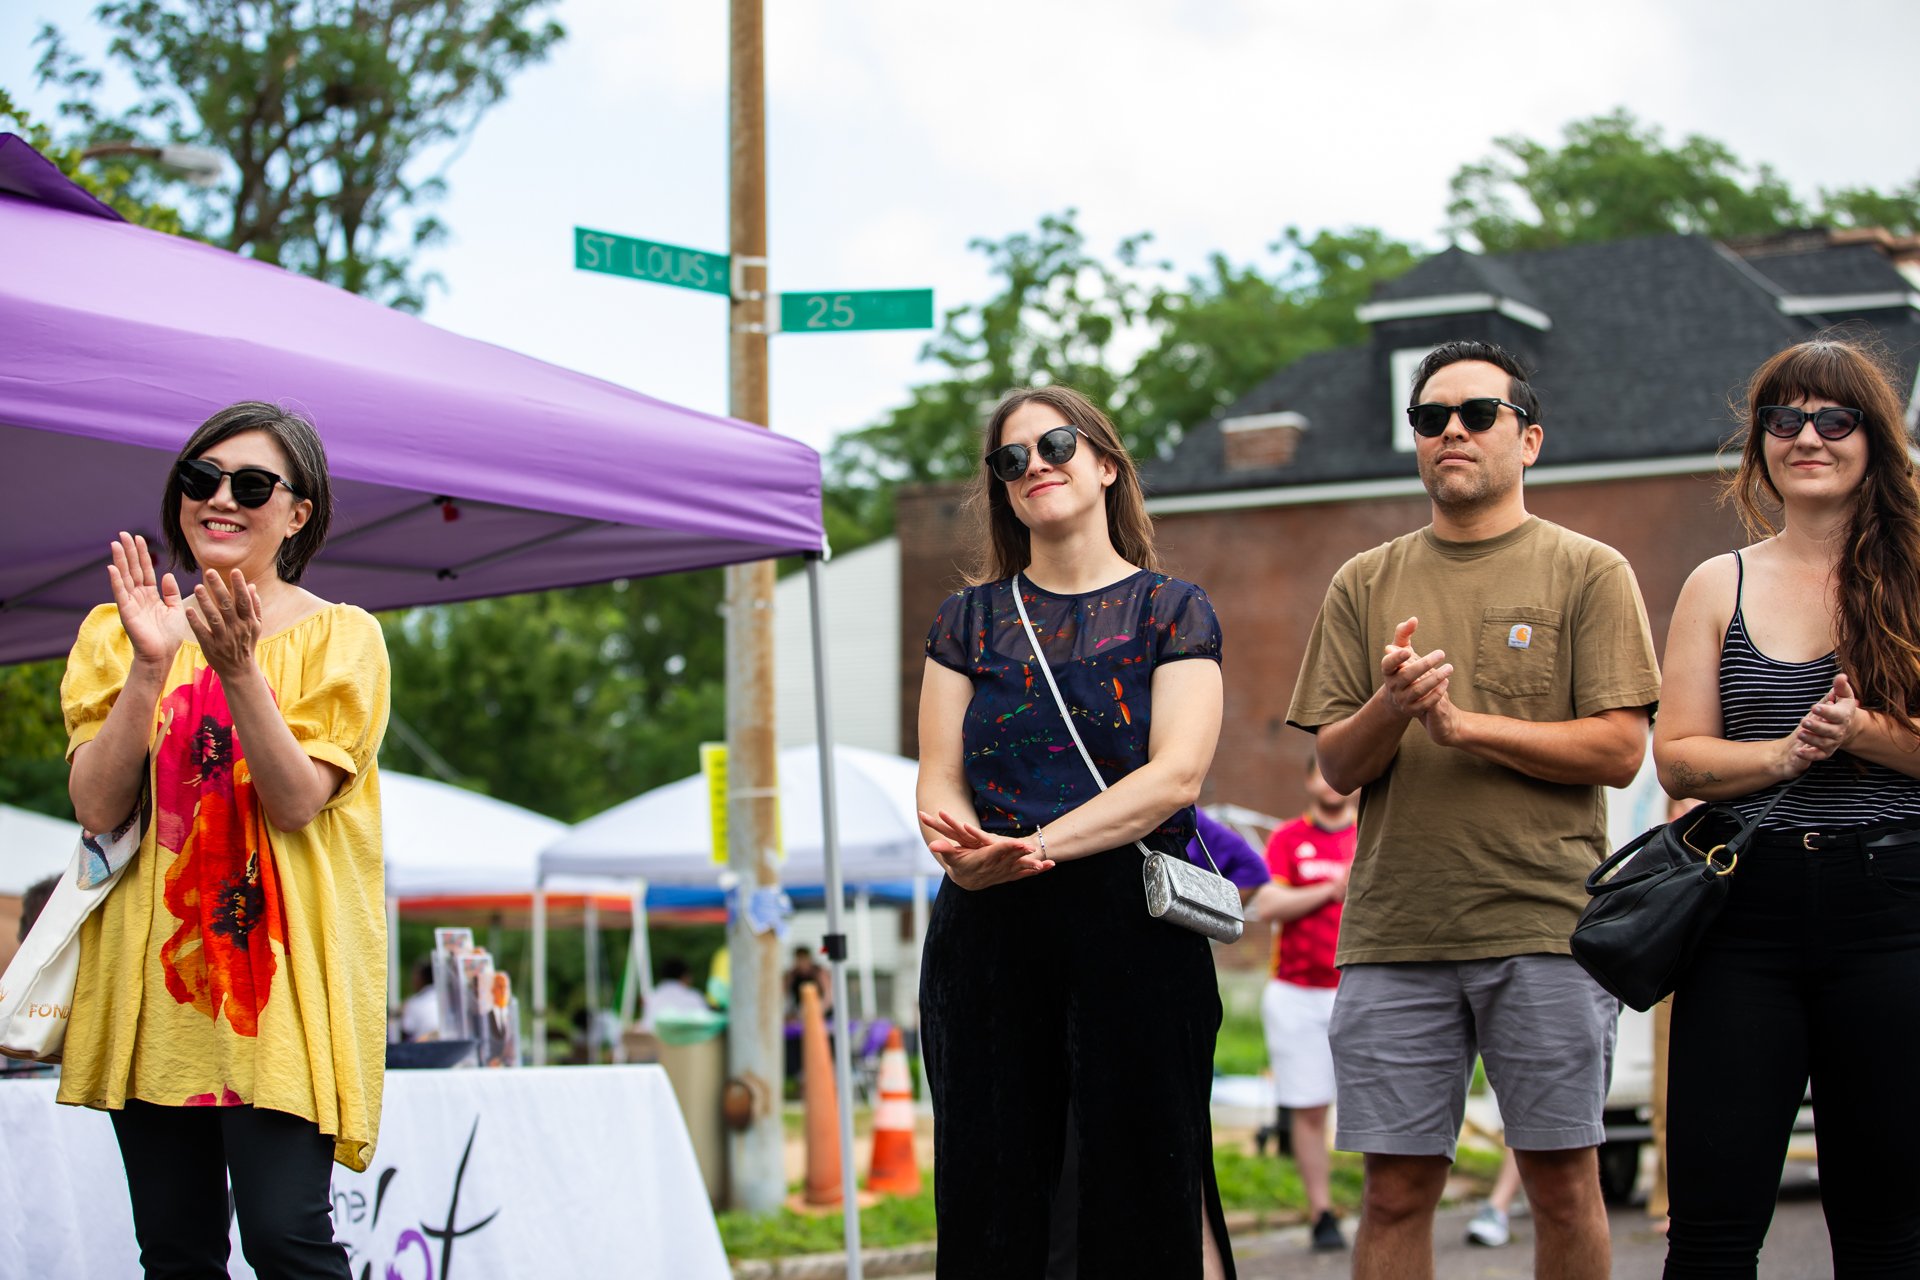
x,y
178,1159
1812,973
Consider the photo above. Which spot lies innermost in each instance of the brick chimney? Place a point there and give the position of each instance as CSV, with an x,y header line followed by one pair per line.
x,y
1261,441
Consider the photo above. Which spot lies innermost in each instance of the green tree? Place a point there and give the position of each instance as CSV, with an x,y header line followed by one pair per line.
x,y
1055,318
564,702
327,109
1234,326
33,741
1613,178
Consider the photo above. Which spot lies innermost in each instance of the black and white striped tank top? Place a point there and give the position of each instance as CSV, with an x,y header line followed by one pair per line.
x,y
1761,699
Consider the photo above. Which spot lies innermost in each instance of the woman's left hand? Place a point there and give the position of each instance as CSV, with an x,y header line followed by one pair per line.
x,y
976,860
226,622
1832,722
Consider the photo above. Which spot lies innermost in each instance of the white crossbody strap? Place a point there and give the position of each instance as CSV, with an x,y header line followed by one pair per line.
x,y
1040,661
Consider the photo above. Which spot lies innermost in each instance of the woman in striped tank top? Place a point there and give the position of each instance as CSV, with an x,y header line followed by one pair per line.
x,y
1797,662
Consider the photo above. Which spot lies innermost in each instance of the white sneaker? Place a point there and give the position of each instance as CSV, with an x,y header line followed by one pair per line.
x,y
1489,1227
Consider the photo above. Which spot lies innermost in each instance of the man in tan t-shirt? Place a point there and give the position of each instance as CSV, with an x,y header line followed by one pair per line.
x,y
1478,681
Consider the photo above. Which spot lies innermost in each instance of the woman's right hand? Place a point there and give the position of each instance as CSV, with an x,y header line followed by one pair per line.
x,y
150,608
976,860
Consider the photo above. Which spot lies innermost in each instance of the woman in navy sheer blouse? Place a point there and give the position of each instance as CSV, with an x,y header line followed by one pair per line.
x,y
1056,1014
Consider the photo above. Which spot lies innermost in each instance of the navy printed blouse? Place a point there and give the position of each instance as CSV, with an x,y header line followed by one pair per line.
x,y
1103,647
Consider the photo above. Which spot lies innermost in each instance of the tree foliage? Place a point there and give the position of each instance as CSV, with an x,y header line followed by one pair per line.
x,y
1062,314
327,110
564,702
1613,178
111,182
1235,326
1055,318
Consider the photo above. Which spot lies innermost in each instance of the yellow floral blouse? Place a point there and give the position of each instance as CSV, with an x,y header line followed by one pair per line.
x,y
235,964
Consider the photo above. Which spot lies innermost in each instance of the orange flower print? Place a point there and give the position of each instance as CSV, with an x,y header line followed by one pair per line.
x,y
221,885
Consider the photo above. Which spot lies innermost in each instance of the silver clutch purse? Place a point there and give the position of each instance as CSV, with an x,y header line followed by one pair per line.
x,y
1204,901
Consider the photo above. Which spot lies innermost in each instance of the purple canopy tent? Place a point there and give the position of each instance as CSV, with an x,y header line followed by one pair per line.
x,y
460,469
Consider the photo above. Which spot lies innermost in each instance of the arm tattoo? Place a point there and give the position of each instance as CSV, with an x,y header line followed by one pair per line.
x,y
1686,777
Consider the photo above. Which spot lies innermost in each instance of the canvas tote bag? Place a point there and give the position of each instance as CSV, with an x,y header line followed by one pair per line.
x,y
36,993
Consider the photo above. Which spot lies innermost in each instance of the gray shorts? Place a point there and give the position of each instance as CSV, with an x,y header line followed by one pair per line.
x,y
1405,1036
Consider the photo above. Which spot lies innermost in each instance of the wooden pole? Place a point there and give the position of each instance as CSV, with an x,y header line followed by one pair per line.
x,y
756,1154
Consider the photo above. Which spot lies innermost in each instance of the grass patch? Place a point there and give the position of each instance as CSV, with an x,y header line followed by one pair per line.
x,y
895,1221
1241,1047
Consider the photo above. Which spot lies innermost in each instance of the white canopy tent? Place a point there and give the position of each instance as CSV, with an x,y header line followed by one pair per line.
x,y
32,847
443,840
663,839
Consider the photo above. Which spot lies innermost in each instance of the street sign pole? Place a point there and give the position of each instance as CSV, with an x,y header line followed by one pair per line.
x,y
754,1057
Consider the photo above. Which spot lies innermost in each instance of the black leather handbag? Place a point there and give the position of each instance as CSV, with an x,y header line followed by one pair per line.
x,y
1653,901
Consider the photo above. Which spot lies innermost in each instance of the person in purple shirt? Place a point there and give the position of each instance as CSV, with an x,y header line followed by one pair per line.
x,y
1238,861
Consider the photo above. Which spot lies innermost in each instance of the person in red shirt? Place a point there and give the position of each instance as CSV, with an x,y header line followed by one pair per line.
x,y
1308,859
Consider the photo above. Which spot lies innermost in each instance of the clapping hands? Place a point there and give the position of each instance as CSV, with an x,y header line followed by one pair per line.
x,y
976,860
1416,683
225,618
150,607
1829,725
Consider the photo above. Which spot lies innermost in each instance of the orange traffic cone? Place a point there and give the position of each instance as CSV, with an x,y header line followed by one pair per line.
x,y
894,1170
822,1107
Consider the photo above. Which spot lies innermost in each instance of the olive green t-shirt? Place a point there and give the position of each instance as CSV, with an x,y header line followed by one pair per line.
x,y
1460,858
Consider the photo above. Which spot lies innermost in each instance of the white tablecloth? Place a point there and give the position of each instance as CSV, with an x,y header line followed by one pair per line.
x,y
564,1171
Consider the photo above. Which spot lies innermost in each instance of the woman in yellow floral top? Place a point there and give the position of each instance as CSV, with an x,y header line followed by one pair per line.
x,y
230,1009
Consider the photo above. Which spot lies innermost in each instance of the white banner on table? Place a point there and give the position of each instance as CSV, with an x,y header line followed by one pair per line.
x,y
567,1171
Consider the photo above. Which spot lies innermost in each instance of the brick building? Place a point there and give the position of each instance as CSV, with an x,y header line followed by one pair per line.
x,y
1638,345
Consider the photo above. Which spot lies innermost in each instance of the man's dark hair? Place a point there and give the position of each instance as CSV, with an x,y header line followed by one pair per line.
x,y
1519,389
674,970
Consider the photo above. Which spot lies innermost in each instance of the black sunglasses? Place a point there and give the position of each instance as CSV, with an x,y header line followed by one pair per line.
x,y
252,486
1475,415
1009,461
1784,422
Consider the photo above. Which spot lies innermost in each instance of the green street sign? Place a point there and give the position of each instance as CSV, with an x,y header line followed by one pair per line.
x,y
645,260
841,312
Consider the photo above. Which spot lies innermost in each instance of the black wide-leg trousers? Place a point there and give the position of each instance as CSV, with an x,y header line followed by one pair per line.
x,y
1059,987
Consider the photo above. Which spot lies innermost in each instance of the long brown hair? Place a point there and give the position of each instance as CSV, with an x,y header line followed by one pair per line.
x,y
1006,544
1877,637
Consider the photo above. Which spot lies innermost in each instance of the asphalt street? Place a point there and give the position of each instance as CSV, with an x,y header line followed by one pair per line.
x,y
1796,1247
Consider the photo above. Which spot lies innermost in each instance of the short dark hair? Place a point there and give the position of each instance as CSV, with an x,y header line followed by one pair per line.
x,y
674,969
34,901
306,459
1519,385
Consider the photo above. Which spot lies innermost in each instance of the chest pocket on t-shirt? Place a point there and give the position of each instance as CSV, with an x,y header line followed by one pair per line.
x,y
1519,652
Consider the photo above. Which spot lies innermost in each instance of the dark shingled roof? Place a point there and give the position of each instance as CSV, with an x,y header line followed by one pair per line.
x,y
1847,269
1649,341
1456,271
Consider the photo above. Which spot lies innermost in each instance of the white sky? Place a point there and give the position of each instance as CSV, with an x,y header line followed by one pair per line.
x,y
898,132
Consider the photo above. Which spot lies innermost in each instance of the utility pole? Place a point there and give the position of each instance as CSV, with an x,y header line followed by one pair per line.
x,y
756,1155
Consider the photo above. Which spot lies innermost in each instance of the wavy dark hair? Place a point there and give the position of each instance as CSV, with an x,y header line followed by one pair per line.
x,y
1007,544
306,459
1877,636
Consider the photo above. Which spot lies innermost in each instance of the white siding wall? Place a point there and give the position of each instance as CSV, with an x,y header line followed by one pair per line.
x,y
862,591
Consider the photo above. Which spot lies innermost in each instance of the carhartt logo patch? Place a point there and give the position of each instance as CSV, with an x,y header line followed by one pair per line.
x,y
1520,637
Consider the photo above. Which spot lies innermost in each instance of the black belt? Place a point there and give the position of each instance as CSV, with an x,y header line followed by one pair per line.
x,y
1881,836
